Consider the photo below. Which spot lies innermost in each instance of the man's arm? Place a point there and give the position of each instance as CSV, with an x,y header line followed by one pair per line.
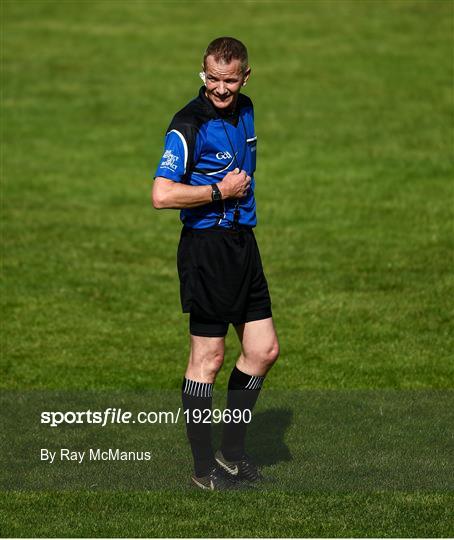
x,y
169,194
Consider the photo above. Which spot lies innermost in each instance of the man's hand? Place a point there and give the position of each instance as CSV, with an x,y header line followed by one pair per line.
x,y
235,184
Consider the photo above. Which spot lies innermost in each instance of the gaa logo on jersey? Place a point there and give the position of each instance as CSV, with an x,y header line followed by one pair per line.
x,y
169,161
223,155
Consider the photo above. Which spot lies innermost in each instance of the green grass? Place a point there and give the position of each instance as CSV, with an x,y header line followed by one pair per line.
x,y
354,112
171,514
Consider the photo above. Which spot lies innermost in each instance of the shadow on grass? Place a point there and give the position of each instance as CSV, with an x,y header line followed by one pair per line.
x,y
266,436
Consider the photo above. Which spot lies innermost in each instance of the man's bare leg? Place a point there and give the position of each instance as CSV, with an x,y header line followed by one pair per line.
x,y
259,351
259,347
205,358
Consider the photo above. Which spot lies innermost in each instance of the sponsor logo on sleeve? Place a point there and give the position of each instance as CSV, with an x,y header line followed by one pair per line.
x,y
169,161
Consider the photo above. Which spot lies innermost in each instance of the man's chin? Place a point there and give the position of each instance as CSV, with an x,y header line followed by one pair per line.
x,y
222,103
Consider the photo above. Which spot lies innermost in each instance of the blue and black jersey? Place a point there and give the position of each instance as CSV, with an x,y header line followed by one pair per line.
x,y
201,146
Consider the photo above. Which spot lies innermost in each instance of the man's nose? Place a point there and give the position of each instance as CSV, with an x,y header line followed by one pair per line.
x,y
222,88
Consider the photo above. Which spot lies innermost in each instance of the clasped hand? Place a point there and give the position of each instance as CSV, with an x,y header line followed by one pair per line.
x,y
235,184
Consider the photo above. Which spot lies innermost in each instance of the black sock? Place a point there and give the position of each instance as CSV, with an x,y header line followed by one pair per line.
x,y
197,396
242,394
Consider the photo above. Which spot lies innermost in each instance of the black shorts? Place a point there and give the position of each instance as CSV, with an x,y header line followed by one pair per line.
x,y
221,279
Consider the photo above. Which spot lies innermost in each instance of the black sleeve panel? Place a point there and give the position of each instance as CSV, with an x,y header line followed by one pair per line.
x,y
188,122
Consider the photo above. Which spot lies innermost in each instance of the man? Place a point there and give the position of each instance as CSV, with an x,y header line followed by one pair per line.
x,y
207,171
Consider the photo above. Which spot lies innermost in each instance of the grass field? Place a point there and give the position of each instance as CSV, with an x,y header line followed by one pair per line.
x,y
354,116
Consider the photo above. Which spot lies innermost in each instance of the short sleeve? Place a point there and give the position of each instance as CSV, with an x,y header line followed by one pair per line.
x,y
175,157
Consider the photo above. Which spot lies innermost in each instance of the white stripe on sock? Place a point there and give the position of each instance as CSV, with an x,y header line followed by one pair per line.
x,y
198,389
254,383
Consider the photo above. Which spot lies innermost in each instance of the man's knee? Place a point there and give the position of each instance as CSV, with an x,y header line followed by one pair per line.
x,y
212,361
264,356
271,353
207,358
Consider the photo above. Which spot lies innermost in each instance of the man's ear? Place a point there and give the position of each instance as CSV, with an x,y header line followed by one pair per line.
x,y
246,75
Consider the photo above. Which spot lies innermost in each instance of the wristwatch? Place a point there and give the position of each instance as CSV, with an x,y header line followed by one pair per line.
x,y
216,194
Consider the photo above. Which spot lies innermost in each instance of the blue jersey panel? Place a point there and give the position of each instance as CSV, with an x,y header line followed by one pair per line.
x,y
175,158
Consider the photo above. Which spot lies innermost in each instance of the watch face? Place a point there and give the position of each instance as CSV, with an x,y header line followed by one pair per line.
x,y
216,195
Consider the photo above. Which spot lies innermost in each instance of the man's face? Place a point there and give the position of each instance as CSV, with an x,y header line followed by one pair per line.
x,y
223,82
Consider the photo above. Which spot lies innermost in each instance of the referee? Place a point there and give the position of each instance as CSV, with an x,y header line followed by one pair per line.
x,y
207,171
